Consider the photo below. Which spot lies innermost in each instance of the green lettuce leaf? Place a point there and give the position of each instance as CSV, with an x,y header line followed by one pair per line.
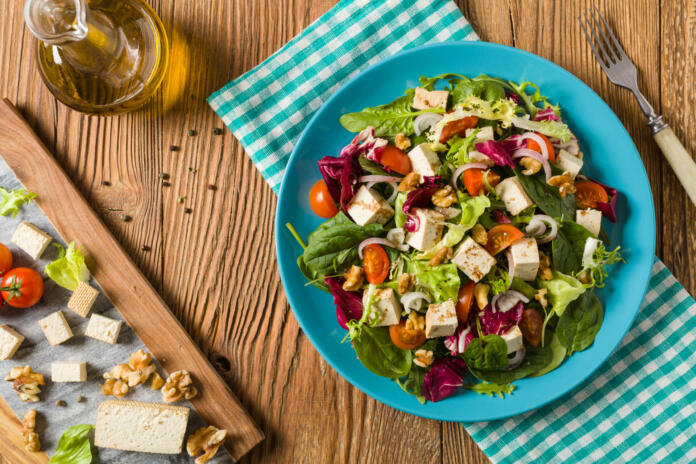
x,y
562,289
440,283
491,389
530,101
459,148
399,215
601,259
74,446
12,200
69,269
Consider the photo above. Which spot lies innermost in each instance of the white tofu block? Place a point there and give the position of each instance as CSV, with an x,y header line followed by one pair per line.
x,y
513,195
82,299
368,206
473,260
590,219
103,328
484,133
430,225
31,239
441,319
568,162
525,258
425,99
69,371
10,340
385,305
478,157
56,328
424,160
513,339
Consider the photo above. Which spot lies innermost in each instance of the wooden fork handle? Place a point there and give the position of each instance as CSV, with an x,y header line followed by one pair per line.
x,y
680,160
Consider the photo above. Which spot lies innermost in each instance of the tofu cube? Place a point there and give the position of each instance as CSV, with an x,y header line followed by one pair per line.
x,y
69,371
424,160
56,328
103,328
427,99
368,206
31,239
513,195
525,258
441,319
590,219
569,163
82,299
513,339
385,305
484,133
430,225
473,260
10,340
478,157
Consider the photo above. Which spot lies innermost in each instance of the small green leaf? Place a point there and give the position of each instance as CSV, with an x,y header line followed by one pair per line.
x,y
69,269
491,389
12,201
74,446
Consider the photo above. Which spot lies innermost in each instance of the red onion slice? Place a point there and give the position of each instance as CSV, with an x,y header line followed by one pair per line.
x,y
538,140
507,300
524,152
458,172
537,227
377,178
398,237
511,267
516,360
425,121
408,299
374,240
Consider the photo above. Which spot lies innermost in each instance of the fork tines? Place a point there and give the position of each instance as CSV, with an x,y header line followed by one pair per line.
x,y
610,51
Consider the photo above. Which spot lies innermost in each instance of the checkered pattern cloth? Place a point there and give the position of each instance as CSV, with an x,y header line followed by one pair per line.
x,y
639,407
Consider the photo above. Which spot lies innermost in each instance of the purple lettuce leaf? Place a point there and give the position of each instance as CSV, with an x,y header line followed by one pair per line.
x,y
341,176
458,341
500,217
608,209
547,114
419,198
497,152
348,304
444,378
500,322
513,96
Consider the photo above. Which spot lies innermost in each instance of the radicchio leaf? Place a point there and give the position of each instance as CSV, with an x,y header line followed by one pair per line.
x,y
500,217
458,341
419,198
607,209
500,322
497,152
444,378
348,304
341,176
547,114
513,96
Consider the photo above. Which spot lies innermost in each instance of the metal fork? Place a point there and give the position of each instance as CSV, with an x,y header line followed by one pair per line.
x,y
622,72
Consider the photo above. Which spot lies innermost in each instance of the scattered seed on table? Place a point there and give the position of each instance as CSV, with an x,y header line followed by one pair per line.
x,y
192,132
145,248
217,131
180,199
212,187
163,175
166,184
124,217
173,148
193,170
81,399
61,403
106,183
188,210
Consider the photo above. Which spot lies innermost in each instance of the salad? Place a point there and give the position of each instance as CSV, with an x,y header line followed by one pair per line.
x,y
463,242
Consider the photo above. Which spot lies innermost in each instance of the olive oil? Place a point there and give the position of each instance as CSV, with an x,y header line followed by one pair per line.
x,y
99,56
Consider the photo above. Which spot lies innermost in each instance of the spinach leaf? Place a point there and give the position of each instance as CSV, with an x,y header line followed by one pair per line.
x,y
74,446
374,168
535,360
486,353
428,83
377,353
558,354
523,287
482,86
314,278
580,322
568,246
547,197
413,382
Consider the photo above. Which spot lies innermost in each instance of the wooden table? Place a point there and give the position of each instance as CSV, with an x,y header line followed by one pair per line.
x,y
215,265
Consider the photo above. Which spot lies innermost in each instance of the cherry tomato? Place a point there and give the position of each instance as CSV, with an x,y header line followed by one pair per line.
x,y
473,181
5,259
22,287
321,202
395,159
532,145
502,236
531,325
375,263
465,298
406,339
588,194
457,127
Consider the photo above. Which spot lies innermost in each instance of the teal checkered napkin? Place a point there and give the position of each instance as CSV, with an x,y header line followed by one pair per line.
x,y
268,107
640,405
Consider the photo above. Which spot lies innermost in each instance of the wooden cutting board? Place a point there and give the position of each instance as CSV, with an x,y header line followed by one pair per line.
x,y
135,298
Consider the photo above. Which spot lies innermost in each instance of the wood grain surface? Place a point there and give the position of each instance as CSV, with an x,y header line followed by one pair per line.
x,y
215,266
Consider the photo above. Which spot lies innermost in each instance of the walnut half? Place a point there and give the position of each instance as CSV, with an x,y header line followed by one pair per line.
x,y
29,435
205,440
136,372
179,385
26,383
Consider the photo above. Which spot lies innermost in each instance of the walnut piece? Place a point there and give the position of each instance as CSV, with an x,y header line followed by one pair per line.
x,y
540,296
354,278
205,440
29,435
405,282
423,358
444,197
115,387
415,321
479,234
481,294
26,383
532,166
585,277
179,385
136,372
409,182
157,382
544,272
402,142
444,254
564,182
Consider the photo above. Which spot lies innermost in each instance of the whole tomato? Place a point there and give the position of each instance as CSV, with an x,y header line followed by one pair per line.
x,y
22,287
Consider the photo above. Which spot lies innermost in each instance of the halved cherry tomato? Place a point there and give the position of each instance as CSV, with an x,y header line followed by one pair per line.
x,y
404,338
457,127
395,159
502,236
473,181
375,263
5,259
465,298
531,325
22,287
532,145
321,202
588,194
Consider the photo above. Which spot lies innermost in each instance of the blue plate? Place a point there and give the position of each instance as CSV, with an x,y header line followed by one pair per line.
x,y
610,157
